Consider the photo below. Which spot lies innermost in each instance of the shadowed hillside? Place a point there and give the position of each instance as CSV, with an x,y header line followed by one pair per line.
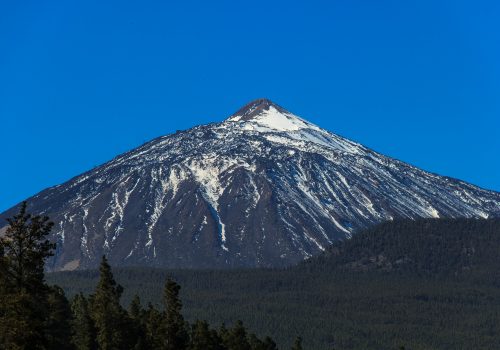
x,y
429,284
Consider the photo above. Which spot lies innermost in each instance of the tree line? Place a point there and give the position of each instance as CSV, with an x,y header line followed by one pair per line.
x,y
38,316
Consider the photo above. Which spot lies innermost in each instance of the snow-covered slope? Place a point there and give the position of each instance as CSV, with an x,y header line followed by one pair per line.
x,y
262,188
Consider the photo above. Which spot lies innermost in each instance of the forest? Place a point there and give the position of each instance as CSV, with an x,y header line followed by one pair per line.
x,y
425,284
37,316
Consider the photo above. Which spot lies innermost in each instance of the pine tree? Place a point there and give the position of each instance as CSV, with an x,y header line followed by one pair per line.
x,y
202,338
257,344
4,296
217,339
297,345
135,309
223,333
236,338
174,329
137,317
111,320
269,344
154,335
58,324
23,249
84,333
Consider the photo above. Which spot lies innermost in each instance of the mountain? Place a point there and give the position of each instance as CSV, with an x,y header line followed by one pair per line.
x,y
262,188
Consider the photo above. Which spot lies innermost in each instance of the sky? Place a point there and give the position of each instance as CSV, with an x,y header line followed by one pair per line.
x,y
83,81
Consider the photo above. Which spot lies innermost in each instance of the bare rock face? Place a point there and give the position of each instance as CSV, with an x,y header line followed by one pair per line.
x,y
262,188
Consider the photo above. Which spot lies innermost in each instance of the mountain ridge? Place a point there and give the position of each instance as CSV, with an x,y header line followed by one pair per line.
x,y
261,188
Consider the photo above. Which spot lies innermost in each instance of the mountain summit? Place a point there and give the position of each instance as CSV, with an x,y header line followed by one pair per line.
x,y
255,108
268,116
262,188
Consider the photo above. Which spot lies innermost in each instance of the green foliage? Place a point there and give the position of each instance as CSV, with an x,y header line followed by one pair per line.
x,y
24,313
174,329
135,310
428,284
236,338
84,333
257,344
297,344
58,324
109,317
430,247
25,247
437,298
138,324
204,338
154,327
34,316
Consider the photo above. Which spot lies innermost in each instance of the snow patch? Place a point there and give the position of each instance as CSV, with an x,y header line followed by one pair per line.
x,y
275,120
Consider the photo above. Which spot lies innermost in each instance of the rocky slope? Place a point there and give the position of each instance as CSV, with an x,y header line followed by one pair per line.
x,y
262,188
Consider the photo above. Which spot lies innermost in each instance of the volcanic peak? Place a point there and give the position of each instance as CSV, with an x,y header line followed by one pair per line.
x,y
264,115
255,108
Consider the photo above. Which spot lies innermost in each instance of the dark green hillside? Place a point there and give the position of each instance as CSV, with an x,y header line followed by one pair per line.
x,y
432,247
37,316
429,284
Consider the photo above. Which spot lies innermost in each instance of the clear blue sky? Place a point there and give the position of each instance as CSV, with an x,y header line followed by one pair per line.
x,y
82,81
